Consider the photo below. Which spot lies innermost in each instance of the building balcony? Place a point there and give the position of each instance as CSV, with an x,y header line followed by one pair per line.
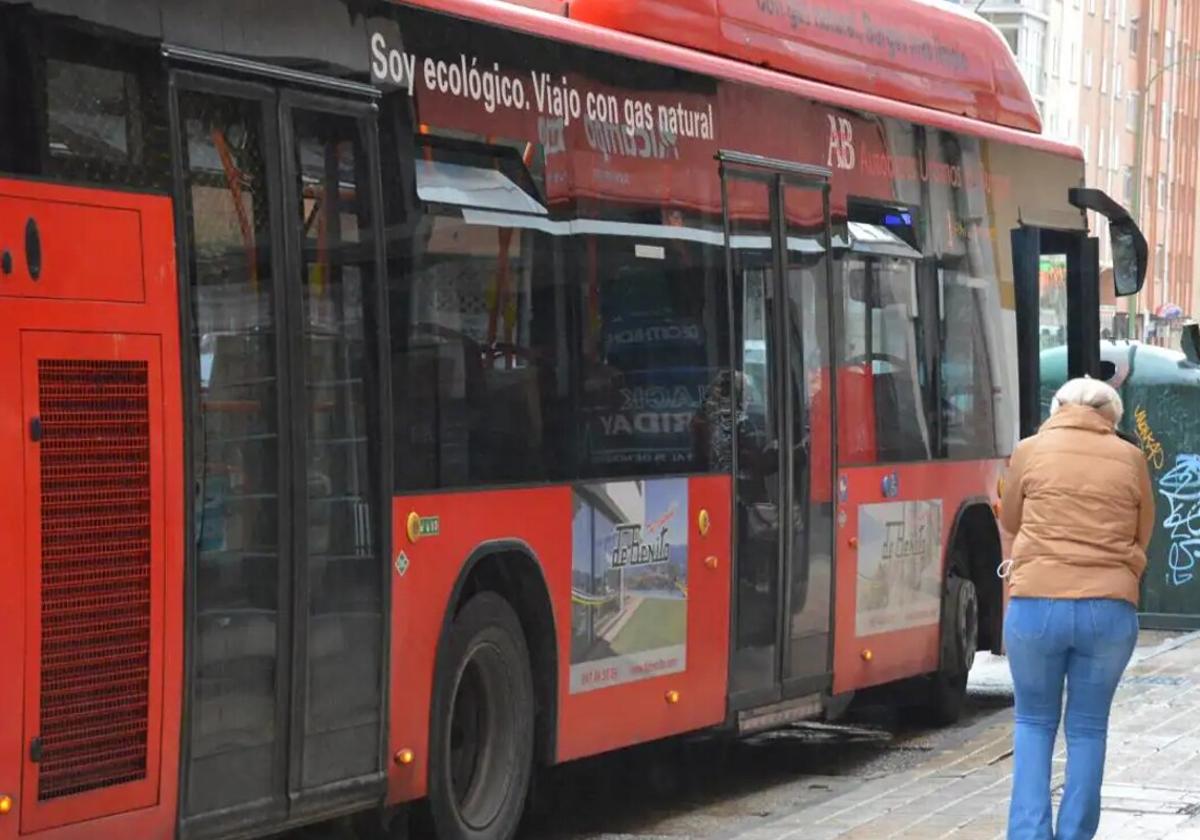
x,y
1036,8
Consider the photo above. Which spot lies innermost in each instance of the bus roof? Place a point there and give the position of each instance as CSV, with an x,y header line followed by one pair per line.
x,y
924,52
549,19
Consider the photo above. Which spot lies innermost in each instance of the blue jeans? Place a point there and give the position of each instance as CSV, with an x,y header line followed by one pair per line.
x,y
1088,643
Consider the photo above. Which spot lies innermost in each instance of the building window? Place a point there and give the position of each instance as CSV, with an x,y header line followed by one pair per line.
x,y
1118,80
1122,12
1102,150
1104,76
1128,175
1010,35
1134,34
1132,106
1169,60
1033,59
1087,68
1107,9
1162,192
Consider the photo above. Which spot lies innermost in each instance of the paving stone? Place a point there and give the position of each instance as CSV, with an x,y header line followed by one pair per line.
x,y
1152,778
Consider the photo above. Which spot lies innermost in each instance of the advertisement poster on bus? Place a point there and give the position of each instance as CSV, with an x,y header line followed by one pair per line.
x,y
899,566
628,582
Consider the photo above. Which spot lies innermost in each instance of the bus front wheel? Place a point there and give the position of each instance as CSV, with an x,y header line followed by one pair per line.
x,y
481,745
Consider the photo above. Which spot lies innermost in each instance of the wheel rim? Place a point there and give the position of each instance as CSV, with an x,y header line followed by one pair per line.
x,y
481,743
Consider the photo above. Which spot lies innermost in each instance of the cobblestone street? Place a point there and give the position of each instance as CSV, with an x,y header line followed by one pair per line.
x,y
1152,787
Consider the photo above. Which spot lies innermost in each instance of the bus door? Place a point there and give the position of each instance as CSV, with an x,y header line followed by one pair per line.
x,y
1057,287
776,223
278,223
1056,278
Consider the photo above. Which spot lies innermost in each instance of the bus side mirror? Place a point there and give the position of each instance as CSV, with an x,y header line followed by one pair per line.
x,y
1191,343
1131,254
1130,257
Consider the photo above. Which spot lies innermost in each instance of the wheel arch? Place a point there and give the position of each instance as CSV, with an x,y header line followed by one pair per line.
x,y
511,569
975,533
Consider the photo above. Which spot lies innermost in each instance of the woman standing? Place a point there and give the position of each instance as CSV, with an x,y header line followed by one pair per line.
x,y
1079,501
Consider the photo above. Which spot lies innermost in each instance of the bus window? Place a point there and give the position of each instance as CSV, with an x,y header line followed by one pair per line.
x,y
968,420
883,369
755,365
97,113
651,355
1052,313
532,348
478,357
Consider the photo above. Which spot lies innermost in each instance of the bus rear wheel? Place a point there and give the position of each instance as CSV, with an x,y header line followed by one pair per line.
x,y
960,635
481,744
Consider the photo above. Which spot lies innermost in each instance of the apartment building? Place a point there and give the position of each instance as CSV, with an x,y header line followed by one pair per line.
x,y
1166,153
1024,24
1121,78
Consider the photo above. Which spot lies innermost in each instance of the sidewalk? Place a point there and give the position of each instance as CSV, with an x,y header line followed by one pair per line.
x,y
1152,783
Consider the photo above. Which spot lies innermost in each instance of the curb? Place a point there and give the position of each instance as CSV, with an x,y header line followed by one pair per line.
x,y
1165,647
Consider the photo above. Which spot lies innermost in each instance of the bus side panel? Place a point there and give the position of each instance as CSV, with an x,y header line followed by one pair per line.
x,y
889,570
424,576
95,281
655,664
12,557
690,692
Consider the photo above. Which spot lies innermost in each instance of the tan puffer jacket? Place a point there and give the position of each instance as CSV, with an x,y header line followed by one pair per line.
x,y
1079,501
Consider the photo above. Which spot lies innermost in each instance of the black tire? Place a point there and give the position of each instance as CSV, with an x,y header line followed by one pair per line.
x,y
960,633
481,738
947,696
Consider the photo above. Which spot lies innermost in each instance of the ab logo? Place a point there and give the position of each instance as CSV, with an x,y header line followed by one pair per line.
x,y
841,143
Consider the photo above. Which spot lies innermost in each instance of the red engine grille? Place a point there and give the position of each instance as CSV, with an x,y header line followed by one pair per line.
x,y
95,473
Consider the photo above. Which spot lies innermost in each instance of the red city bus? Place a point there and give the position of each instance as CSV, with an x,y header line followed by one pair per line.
x,y
406,396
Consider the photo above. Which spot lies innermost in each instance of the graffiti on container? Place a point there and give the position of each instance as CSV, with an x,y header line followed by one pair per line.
x,y
1150,445
1181,488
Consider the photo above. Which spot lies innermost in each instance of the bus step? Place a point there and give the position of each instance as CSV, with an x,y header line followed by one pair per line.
x,y
778,714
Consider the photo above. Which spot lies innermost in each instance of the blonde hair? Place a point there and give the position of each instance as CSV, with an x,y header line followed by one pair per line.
x,y
1091,393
